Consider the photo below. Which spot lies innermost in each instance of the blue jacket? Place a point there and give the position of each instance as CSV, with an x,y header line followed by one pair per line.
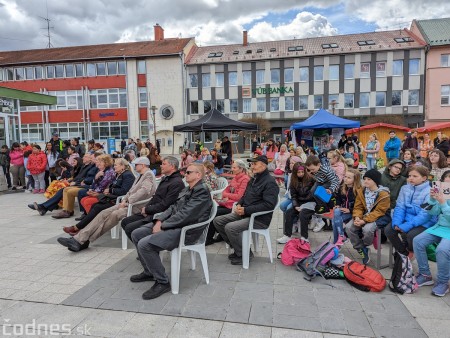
x,y
392,147
407,213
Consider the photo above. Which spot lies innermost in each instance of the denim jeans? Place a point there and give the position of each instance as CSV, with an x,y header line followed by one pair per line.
x,y
442,255
338,223
285,204
370,162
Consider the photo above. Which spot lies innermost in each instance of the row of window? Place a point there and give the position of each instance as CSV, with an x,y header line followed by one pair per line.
x,y
70,70
304,76
317,103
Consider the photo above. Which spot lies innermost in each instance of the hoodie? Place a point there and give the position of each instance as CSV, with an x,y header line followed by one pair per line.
x,y
37,163
379,208
394,184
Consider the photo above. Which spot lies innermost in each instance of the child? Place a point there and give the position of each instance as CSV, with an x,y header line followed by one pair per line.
x,y
346,202
301,192
371,210
354,156
439,233
287,202
337,163
30,182
409,158
37,162
409,218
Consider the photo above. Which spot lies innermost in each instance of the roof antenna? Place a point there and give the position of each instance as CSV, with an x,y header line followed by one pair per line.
x,y
48,28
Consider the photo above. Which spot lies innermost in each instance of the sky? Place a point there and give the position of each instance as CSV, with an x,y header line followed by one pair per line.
x,y
211,22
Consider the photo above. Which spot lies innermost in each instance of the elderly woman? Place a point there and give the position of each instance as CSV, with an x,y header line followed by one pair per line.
x,y
232,193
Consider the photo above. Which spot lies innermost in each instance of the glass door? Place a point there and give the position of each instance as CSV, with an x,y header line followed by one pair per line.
x,y
3,130
9,129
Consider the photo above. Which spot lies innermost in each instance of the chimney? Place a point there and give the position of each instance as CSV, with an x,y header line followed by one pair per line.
x,y
244,38
159,32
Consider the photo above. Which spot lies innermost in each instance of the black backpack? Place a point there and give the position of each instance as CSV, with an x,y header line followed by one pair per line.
x,y
402,278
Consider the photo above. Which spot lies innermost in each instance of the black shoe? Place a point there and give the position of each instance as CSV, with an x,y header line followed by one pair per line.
x,y
238,260
209,242
156,290
14,188
82,247
32,206
142,277
218,239
70,243
232,256
40,209
80,218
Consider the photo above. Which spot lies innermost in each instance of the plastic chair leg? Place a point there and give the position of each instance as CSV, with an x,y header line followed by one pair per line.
x,y
204,261
269,246
193,260
175,271
245,249
114,232
124,240
255,239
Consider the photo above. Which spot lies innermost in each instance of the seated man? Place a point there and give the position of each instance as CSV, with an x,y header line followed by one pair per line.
x,y
192,206
261,195
144,187
166,194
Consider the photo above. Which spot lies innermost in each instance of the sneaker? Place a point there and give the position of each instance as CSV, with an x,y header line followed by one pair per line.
x,y
440,289
304,239
283,240
423,280
319,226
364,253
341,240
35,191
312,224
41,191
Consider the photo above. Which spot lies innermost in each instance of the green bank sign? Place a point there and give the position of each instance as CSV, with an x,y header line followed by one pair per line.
x,y
272,90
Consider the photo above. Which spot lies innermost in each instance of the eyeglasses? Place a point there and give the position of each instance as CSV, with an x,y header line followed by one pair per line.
x,y
188,172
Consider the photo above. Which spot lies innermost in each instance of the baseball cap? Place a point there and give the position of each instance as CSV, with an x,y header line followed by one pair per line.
x,y
141,160
55,133
262,158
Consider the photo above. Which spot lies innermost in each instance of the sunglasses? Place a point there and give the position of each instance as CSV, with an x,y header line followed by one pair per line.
x,y
188,172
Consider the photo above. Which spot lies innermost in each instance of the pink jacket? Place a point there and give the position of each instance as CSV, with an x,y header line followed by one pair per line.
x,y
281,160
235,190
16,157
339,169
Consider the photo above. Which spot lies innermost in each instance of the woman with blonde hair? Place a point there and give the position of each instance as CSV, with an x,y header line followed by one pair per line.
x,y
372,148
144,150
337,163
301,153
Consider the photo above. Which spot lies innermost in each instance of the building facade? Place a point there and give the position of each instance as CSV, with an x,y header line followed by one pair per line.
x,y
359,75
103,91
435,32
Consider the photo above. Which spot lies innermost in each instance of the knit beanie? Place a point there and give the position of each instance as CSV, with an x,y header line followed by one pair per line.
x,y
374,175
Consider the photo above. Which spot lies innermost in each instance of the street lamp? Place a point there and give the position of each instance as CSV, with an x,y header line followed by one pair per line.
x,y
333,105
153,109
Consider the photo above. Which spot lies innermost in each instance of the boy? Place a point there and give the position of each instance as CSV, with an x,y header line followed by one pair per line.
x,y
371,210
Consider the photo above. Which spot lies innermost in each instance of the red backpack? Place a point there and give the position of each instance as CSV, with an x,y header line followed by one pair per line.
x,y
363,277
294,250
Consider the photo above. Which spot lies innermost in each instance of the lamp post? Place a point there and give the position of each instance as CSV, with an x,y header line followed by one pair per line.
x,y
333,105
153,115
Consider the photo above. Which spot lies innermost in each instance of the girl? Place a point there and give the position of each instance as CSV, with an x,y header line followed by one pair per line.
x,y
186,159
52,157
301,153
37,162
205,155
337,163
280,163
372,148
144,150
425,146
439,233
72,155
346,201
210,176
438,164
17,167
300,188
287,202
409,218
218,162
409,158
270,150
75,142
30,180
155,161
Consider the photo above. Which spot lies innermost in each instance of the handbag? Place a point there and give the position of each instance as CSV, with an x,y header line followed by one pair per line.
x,y
102,198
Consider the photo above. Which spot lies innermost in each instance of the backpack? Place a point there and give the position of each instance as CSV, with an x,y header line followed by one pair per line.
x,y
363,277
402,278
315,263
294,250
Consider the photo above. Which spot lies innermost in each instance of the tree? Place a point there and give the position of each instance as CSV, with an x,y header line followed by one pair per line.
x,y
397,120
263,124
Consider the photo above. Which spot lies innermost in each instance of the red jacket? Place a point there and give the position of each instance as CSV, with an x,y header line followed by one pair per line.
x,y
37,163
235,190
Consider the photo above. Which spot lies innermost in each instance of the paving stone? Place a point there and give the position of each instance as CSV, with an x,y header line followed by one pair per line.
x,y
261,313
297,322
105,323
397,332
215,313
239,311
98,298
356,323
80,296
25,312
392,320
434,328
175,305
332,320
301,310
146,325
66,315
289,333
232,330
189,327
433,307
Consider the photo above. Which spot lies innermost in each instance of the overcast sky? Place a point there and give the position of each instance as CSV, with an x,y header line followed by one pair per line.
x,y
83,22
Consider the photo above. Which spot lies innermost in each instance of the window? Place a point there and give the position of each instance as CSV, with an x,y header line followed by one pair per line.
x,y
397,68
329,45
260,77
381,69
364,100
403,40
445,60
304,74
396,98
247,105
38,72
194,107
334,72
261,104
380,99
220,105
219,79
318,101
289,103
67,100
414,66
1,74
215,55
365,70
233,106
349,71
445,95
193,80
275,76
413,97
206,80
122,67
108,98
232,78
79,70
32,132
70,70
29,73
206,106
143,97
274,104
318,73
9,74
295,49
90,69
116,129
112,68
348,100
19,73
288,75
246,78
331,98
141,69
366,42
59,71
303,102
50,72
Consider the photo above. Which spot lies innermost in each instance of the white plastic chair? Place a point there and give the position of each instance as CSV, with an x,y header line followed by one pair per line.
x,y
199,247
246,239
116,230
222,183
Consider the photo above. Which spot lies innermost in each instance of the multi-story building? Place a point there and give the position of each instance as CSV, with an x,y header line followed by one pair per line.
x,y
359,75
435,32
103,91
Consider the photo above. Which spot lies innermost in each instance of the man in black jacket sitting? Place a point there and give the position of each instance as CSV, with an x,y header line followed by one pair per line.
x,y
261,195
166,194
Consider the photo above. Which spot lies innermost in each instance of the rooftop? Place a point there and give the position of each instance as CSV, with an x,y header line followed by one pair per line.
x,y
328,45
435,31
89,52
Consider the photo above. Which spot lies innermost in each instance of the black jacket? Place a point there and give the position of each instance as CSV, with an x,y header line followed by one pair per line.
x,y
166,194
301,194
86,174
444,146
226,147
122,184
219,163
261,195
346,200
